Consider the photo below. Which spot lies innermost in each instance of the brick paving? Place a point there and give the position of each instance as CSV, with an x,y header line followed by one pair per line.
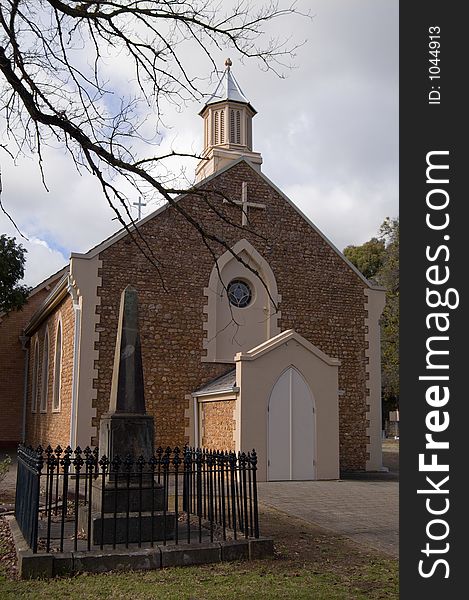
x,y
364,508
365,511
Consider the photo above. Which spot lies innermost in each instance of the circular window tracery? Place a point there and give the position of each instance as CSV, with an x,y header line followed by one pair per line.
x,y
239,293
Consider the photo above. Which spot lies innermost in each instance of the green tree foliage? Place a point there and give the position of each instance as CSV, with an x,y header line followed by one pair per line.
x,y
368,257
389,278
378,260
12,258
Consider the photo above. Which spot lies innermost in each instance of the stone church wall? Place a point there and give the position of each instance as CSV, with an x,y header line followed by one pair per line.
x,y
322,298
51,427
218,425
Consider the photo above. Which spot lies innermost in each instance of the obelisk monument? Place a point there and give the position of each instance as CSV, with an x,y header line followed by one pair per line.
x,y
126,428
127,504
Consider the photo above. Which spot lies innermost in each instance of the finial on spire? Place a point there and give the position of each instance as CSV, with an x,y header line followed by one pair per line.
x,y
228,63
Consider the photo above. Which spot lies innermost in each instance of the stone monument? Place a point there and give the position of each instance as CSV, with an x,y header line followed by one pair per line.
x,y
127,431
126,428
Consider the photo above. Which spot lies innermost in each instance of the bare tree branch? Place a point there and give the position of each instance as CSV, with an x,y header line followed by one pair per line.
x,y
58,87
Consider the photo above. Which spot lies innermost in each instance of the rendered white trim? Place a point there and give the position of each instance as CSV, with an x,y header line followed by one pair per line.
x,y
196,423
257,377
215,288
76,362
190,428
217,396
374,306
290,335
84,279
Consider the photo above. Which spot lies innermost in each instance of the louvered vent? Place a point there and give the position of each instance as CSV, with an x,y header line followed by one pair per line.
x,y
232,126
216,128
238,127
222,127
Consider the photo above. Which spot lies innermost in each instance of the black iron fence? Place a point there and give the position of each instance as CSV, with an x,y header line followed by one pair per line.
x,y
76,500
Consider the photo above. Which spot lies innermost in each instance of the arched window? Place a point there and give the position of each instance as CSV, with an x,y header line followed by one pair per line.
x,y
241,312
35,380
222,127
57,368
216,128
232,126
45,373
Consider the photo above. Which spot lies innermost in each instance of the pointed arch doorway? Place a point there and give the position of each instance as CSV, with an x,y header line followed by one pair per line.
x,y
291,429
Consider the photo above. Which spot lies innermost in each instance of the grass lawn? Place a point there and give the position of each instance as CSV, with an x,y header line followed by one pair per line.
x,y
310,563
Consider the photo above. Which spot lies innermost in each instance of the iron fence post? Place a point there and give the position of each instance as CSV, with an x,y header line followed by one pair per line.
x,y
254,491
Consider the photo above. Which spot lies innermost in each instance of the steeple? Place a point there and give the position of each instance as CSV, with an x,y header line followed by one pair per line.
x,y
227,119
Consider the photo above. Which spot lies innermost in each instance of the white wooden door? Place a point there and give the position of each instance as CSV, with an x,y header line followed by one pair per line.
x,y
291,429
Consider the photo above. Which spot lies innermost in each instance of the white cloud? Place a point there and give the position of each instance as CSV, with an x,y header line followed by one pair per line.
x,y
328,134
41,260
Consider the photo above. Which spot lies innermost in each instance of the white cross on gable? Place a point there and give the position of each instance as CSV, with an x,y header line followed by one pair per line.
x,y
139,204
245,205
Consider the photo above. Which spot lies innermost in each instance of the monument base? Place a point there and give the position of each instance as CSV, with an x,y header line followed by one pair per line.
x,y
136,528
121,434
121,497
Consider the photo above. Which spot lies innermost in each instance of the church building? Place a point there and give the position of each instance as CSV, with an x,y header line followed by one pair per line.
x,y
269,340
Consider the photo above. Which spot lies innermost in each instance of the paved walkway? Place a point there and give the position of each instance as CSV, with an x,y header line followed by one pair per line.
x,y
364,510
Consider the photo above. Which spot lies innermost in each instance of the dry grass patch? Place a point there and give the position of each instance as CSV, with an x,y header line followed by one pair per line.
x,y
310,562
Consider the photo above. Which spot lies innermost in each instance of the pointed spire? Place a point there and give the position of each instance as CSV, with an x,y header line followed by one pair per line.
x,y
227,119
228,89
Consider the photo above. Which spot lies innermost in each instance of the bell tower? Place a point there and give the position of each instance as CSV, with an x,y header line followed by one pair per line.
x,y
227,119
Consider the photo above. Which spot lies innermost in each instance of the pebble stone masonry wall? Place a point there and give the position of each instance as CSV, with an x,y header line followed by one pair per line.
x,y
322,298
218,425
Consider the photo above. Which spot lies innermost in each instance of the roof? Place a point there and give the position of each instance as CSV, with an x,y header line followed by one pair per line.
x,y
46,284
281,339
221,385
228,89
55,297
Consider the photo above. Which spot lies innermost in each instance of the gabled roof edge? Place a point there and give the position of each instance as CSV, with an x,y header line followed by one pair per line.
x,y
122,233
321,234
279,340
115,237
50,302
44,283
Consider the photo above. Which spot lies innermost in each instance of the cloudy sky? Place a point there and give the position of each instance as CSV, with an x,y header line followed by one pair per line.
x,y
328,134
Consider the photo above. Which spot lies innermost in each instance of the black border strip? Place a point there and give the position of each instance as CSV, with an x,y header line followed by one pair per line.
x,y
433,122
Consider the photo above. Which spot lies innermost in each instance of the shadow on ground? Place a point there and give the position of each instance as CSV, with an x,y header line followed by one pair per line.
x,y
390,462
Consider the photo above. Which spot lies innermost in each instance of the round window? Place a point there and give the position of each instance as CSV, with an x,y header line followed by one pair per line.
x,y
239,293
